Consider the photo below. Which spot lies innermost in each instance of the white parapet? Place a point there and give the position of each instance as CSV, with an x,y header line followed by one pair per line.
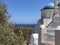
x,y
34,39
43,31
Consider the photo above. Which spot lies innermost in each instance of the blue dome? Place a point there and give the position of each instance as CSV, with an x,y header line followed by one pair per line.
x,y
49,6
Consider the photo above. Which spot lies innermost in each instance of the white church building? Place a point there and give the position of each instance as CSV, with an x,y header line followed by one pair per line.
x,y
49,22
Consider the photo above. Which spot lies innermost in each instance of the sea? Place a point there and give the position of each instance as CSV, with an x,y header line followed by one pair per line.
x,y
25,25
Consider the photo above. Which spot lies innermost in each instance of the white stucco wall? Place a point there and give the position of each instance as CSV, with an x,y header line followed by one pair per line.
x,y
34,39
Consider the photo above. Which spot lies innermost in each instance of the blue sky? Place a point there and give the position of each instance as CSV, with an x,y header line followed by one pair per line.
x,y
25,11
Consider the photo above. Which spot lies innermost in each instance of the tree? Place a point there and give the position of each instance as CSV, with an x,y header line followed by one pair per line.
x,y
7,34
27,33
24,33
4,15
10,35
19,36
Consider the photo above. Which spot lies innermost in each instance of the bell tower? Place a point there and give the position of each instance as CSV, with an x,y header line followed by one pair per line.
x,y
57,11
57,5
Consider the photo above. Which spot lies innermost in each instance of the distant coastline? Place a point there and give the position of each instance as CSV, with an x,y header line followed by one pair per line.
x,y
25,25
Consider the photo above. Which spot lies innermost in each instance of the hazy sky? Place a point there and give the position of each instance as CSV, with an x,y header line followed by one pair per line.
x,y
25,11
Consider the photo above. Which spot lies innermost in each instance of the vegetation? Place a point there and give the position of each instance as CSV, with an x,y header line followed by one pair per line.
x,y
4,15
26,33
10,35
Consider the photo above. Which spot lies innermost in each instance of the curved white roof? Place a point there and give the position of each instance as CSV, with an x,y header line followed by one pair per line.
x,y
58,28
35,35
34,39
42,26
